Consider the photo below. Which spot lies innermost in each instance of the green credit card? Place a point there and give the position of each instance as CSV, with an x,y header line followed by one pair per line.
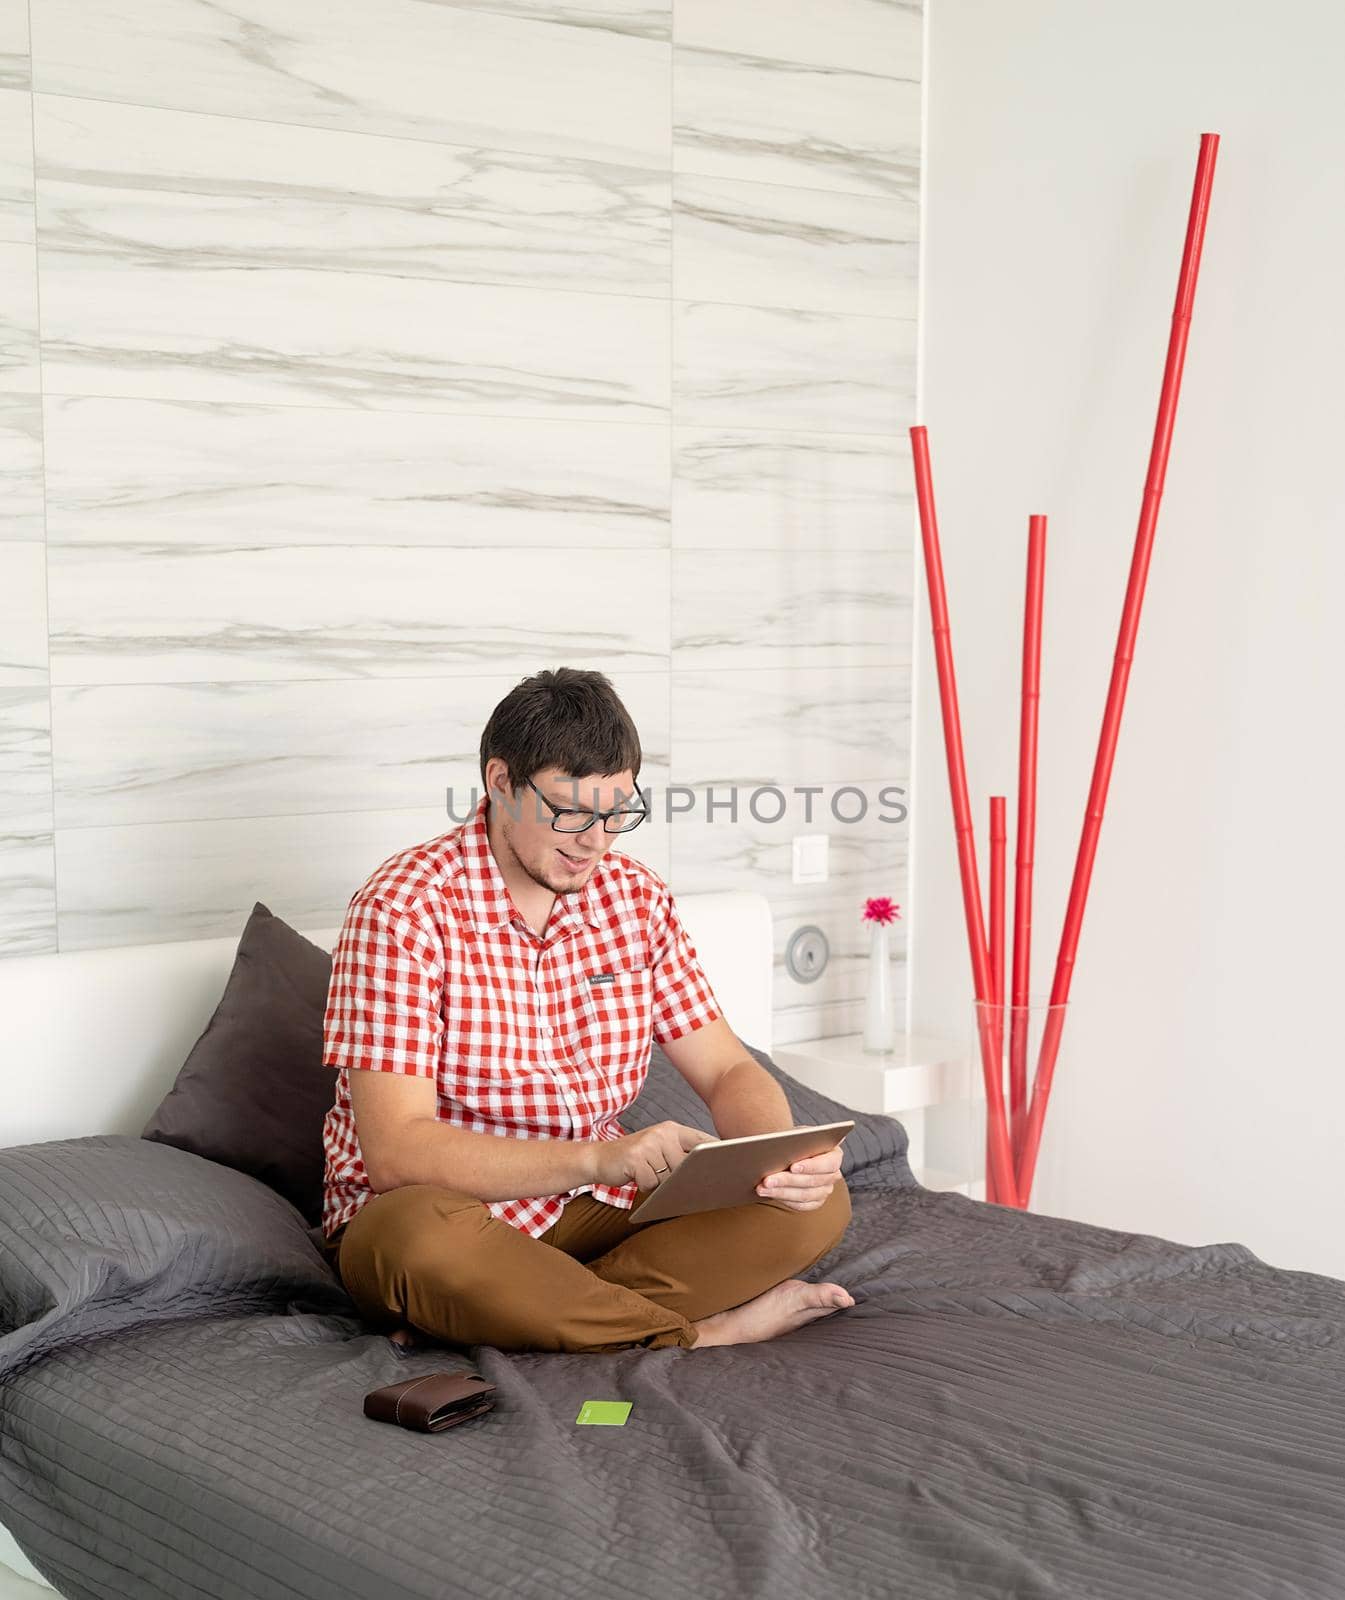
x,y
612,1413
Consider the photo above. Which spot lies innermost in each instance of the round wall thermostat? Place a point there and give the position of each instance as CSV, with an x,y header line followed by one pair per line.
x,y
806,954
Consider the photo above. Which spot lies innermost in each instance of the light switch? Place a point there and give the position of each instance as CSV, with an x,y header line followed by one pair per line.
x,y
810,858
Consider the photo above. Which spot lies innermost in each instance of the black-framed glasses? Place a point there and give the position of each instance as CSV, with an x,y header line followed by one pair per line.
x,y
570,820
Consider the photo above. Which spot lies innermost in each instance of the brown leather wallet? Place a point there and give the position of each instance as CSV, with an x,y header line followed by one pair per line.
x,y
432,1403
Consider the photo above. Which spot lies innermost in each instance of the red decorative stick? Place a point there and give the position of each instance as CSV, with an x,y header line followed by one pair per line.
x,y
1125,648
1001,1155
1027,829
997,856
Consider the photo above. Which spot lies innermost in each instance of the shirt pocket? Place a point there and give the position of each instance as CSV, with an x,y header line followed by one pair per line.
x,y
617,1025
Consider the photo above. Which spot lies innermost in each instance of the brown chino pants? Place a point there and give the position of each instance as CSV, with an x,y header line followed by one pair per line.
x,y
439,1261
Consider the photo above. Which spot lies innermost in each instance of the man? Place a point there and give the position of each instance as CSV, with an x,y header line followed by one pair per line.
x,y
494,996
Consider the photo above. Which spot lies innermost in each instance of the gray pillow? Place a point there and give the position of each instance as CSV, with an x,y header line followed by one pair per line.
x,y
112,1231
253,1092
873,1155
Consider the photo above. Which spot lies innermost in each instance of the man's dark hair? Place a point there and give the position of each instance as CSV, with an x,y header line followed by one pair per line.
x,y
569,719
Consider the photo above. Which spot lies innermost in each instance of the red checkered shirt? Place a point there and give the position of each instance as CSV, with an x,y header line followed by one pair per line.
x,y
437,975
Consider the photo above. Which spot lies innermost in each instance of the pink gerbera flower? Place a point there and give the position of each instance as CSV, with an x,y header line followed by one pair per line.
x,y
880,909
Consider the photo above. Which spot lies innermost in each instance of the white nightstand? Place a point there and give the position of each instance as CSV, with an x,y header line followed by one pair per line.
x,y
905,1083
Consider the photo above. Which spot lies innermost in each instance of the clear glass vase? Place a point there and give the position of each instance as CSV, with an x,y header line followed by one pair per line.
x,y
880,1004
1010,1037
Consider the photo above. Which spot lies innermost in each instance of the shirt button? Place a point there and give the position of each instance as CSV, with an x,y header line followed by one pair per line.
x,y
546,1028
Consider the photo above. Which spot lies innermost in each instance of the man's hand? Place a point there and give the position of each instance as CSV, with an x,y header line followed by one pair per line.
x,y
647,1157
805,1184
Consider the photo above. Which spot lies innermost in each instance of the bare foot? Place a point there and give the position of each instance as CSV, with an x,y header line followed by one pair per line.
x,y
788,1305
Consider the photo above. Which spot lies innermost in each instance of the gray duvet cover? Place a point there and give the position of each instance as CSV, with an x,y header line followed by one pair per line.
x,y
1017,1405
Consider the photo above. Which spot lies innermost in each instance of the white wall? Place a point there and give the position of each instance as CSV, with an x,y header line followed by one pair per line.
x,y
356,361
1199,1094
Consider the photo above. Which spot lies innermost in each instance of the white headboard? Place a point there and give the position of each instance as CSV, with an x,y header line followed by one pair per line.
x,y
92,1040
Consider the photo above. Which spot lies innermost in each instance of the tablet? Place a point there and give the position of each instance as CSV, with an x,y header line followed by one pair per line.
x,y
726,1172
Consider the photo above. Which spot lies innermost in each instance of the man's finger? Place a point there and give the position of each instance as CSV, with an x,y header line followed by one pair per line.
x,y
794,1191
828,1161
805,1199
797,1180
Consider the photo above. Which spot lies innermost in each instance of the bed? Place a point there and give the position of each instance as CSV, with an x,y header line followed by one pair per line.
x,y
1016,1405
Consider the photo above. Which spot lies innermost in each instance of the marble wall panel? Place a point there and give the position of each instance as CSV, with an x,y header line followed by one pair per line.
x,y
21,512
760,490
741,110
591,83
181,472
27,857
202,191
215,613
740,365
825,251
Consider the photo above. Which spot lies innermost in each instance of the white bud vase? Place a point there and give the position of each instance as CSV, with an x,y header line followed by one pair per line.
x,y
880,1015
